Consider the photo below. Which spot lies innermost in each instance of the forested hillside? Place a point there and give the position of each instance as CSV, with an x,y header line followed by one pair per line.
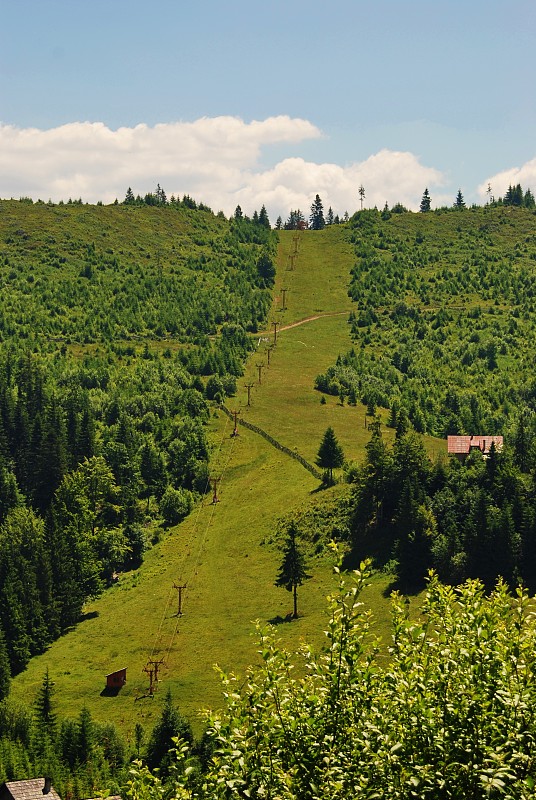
x,y
444,321
444,339
117,326
106,439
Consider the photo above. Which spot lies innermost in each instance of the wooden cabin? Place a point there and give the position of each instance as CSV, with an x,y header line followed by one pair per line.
x,y
461,446
32,789
115,680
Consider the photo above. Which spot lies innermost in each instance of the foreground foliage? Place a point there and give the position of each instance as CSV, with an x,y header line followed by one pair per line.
x,y
450,715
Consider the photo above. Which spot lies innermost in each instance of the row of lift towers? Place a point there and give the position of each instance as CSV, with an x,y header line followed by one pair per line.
x,y
153,665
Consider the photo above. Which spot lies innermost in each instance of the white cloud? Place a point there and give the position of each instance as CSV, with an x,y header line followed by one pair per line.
x,y
215,160
525,175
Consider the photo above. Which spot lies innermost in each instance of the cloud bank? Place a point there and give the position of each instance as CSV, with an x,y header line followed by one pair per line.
x,y
215,160
525,175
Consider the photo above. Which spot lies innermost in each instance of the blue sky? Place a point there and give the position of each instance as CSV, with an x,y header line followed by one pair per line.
x,y
395,94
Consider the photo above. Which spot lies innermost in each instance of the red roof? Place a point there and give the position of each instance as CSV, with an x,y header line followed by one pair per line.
x,y
464,444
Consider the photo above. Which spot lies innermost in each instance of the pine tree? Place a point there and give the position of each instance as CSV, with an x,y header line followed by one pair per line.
x,y
45,716
361,193
329,216
292,572
316,219
129,197
528,199
263,218
170,725
295,221
5,672
459,202
85,736
426,201
139,736
330,453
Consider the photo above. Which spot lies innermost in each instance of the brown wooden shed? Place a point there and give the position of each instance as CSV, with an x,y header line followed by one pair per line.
x,y
117,679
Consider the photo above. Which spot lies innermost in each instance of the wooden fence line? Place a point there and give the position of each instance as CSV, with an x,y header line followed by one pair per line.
x,y
292,453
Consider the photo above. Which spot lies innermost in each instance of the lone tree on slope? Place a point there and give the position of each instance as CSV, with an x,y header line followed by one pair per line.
x,y
330,453
292,572
426,202
316,220
459,202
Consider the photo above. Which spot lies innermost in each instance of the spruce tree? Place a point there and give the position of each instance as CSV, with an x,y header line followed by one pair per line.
x,y
5,672
170,725
330,454
46,717
263,218
426,201
459,202
316,218
292,572
528,199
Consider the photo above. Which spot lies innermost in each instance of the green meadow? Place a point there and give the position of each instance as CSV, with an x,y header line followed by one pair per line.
x,y
225,553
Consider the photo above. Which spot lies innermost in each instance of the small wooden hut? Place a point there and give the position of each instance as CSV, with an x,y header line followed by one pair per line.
x,y
117,679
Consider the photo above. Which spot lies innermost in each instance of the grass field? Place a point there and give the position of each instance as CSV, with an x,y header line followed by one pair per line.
x,y
222,551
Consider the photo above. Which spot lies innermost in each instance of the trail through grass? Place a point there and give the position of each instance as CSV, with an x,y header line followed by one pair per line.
x,y
224,552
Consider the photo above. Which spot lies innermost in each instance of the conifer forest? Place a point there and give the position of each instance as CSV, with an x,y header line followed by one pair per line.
x,y
131,335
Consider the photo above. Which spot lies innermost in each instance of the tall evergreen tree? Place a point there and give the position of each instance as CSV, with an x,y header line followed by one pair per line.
x,y
5,672
85,738
316,219
426,201
459,202
292,572
46,718
263,218
170,726
528,199
330,453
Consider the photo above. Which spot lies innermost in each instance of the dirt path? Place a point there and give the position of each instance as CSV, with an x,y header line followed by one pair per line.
x,y
309,319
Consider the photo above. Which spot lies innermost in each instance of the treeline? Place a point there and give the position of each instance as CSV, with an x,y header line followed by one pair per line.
x,y
475,519
160,198
103,437
445,320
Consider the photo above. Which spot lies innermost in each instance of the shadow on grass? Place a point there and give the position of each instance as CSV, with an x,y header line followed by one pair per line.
x,y
88,615
279,620
352,561
320,488
403,588
110,691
